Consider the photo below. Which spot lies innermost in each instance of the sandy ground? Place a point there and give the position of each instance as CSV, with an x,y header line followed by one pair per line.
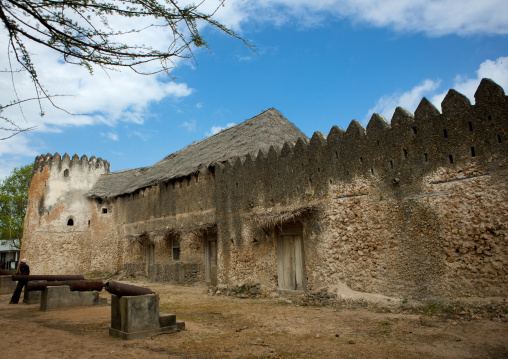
x,y
229,327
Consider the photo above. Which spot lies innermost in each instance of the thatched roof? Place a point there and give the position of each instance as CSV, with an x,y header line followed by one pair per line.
x,y
259,133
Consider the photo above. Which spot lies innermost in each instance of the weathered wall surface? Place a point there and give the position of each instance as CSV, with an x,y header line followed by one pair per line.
x,y
415,208
57,236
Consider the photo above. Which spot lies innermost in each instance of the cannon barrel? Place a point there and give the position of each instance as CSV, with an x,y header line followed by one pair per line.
x,y
49,277
120,289
74,285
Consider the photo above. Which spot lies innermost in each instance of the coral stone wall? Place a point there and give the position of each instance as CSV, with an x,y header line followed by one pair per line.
x,y
57,236
416,208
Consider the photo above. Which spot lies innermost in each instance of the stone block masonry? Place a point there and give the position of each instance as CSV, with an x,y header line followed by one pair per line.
x,y
138,317
61,297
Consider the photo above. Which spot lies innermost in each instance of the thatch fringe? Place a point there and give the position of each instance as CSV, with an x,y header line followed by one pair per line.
x,y
266,219
153,237
159,236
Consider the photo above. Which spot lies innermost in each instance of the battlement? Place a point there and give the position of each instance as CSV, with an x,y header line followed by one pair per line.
x,y
65,162
396,153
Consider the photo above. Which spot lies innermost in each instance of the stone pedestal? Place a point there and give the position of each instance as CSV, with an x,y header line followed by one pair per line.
x,y
62,297
138,317
7,285
32,297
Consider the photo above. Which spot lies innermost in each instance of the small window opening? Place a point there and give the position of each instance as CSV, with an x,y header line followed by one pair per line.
x,y
176,249
377,142
319,169
414,130
302,166
372,171
70,222
310,181
450,158
405,152
425,157
470,124
391,164
331,181
347,172
236,184
473,152
66,173
336,155
88,223
490,117
104,210
361,159
499,139
445,133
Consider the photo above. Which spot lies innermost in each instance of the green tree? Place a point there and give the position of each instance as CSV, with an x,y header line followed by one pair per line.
x,y
88,33
13,201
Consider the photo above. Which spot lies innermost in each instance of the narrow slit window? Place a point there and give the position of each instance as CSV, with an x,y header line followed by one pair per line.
x,y
470,125
473,152
499,139
70,222
414,130
336,155
405,152
104,210
361,159
391,164
372,171
425,157
450,158
66,173
445,133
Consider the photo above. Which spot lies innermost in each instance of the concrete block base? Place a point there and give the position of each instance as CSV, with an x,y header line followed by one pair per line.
x,y
7,285
32,297
138,317
62,297
179,325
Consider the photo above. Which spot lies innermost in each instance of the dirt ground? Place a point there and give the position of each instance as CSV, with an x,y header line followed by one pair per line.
x,y
219,326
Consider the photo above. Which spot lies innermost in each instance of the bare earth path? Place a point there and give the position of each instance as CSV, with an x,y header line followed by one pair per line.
x,y
227,327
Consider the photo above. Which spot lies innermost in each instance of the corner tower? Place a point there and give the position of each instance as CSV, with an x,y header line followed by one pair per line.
x,y
57,232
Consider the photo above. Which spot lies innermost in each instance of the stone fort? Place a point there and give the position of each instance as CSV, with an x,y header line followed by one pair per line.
x,y
416,208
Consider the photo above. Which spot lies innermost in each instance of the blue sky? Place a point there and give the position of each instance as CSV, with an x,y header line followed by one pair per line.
x,y
319,64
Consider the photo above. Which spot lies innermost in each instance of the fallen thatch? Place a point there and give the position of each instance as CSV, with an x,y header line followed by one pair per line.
x,y
267,129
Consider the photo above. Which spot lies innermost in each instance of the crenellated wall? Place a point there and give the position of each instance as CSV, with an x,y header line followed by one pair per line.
x,y
417,207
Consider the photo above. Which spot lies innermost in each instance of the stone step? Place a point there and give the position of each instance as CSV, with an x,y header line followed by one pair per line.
x,y
167,319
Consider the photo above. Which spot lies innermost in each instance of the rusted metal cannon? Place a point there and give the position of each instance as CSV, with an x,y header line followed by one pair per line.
x,y
127,290
50,277
74,285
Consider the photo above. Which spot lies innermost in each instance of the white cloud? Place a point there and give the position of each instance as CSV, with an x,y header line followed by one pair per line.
x,y
409,100
497,70
216,129
433,17
199,105
189,125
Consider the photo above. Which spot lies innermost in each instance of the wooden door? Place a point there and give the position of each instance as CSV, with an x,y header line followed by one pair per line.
x,y
211,258
290,262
